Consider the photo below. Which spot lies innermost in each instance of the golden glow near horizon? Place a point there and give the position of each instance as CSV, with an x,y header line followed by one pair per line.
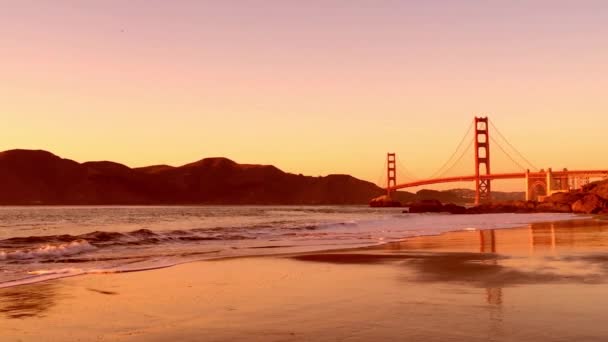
x,y
313,88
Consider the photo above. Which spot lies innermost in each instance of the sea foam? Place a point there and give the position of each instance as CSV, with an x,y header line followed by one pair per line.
x,y
49,251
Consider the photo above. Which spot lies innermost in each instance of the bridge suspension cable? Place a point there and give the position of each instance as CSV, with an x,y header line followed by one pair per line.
x,y
402,169
512,147
464,152
382,175
507,154
442,170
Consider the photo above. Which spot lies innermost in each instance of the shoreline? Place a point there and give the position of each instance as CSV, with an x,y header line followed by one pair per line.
x,y
379,245
537,283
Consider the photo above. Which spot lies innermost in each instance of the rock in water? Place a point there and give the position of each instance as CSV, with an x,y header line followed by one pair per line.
x,y
426,206
384,201
454,209
434,206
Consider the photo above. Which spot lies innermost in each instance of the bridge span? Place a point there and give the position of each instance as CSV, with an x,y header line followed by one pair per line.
x,y
538,183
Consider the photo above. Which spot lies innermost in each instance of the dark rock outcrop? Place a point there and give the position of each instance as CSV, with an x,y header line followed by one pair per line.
x,y
519,207
454,209
384,201
503,207
435,206
598,188
426,206
553,207
590,204
564,197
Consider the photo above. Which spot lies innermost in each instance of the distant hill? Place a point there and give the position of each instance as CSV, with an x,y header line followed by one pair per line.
x,y
38,177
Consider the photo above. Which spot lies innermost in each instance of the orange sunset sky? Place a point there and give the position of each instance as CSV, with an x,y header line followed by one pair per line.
x,y
313,87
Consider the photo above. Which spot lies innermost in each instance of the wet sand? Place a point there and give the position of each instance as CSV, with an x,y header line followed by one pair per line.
x,y
544,282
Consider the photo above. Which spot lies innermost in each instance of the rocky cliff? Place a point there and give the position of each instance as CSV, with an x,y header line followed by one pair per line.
x,y
40,177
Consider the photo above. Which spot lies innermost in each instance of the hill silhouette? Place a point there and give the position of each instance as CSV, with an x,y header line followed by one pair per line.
x,y
35,177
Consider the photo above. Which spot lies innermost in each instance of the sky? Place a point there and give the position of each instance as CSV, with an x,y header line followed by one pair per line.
x,y
313,87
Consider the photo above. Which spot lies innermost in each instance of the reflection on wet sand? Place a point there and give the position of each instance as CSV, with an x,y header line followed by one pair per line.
x,y
541,253
568,235
28,301
494,295
552,246
536,238
487,257
487,244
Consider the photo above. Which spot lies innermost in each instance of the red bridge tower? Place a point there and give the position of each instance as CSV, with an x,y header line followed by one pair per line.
x,y
483,191
391,173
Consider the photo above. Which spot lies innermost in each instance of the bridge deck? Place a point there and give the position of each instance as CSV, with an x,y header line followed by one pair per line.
x,y
516,175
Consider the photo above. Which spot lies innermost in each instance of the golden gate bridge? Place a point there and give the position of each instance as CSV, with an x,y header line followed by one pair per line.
x,y
539,183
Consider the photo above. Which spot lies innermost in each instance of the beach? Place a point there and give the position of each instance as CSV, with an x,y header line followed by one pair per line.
x,y
340,171
542,282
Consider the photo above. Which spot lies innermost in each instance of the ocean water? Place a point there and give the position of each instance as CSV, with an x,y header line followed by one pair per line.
x,y
41,243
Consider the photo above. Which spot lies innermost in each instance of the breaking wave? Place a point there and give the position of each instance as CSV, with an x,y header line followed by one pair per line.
x,y
49,251
100,239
